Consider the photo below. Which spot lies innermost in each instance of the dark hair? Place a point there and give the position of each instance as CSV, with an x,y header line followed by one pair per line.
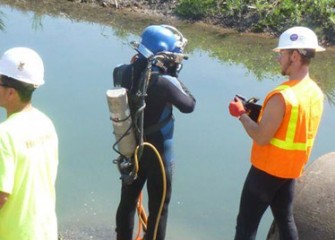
x,y
25,90
306,55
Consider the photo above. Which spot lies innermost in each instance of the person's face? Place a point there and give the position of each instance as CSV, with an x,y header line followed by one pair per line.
x,y
3,89
4,93
284,59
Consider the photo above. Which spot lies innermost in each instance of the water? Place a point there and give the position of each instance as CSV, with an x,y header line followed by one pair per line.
x,y
212,148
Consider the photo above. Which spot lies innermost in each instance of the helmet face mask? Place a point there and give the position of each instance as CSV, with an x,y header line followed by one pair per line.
x,y
298,38
23,64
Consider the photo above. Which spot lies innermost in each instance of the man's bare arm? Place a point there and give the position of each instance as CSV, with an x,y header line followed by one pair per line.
x,y
263,131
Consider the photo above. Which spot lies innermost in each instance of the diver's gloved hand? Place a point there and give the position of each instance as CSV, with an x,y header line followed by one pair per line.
x,y
236,108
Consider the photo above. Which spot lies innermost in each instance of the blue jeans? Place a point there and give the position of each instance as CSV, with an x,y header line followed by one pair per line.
x,y
260,191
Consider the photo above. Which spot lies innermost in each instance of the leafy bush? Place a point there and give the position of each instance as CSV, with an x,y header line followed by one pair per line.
x,y
272,16
195,9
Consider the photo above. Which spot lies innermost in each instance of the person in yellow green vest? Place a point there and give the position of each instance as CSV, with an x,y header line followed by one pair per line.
x,y
28,152
283,137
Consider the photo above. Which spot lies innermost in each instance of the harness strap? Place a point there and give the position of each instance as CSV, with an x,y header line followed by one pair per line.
x,y
156,127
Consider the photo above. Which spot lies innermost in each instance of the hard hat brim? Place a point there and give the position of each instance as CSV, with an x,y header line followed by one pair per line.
x,y
317,49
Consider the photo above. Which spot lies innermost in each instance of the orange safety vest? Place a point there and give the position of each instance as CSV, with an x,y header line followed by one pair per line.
x,y
290,147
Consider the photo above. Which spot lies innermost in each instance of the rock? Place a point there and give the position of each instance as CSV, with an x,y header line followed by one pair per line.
x,y
314,204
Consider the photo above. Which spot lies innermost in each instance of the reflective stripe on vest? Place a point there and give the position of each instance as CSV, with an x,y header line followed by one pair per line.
x,y
288,143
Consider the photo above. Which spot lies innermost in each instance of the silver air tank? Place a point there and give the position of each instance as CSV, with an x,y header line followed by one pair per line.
x,y
121,120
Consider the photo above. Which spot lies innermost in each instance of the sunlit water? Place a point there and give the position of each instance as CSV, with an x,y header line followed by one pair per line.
x,y
212,149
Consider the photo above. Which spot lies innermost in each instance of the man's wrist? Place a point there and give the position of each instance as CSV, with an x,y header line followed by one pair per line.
x,y
239,117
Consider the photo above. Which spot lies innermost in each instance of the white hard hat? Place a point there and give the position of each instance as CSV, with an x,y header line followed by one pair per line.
x,y
23,64
298,38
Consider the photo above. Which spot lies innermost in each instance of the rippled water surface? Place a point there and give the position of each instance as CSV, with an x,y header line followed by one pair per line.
x,y
212,149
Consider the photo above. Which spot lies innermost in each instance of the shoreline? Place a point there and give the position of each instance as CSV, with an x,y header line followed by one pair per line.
x,y
164,12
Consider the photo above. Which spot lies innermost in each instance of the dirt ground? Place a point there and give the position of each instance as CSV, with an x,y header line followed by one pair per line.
x,y
166,9
159,7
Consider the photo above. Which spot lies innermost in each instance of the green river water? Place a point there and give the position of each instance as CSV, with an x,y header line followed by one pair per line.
x,y
80,50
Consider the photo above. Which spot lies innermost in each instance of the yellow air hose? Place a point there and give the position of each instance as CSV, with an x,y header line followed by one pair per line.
x,y
141,212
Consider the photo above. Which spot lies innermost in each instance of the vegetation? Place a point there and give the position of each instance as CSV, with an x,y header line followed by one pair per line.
x,y
272,16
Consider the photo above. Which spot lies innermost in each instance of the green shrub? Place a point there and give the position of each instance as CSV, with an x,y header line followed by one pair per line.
x,y
195,9
265,15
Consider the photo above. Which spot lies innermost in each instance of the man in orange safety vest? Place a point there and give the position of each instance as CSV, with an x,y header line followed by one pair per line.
x,y
283,136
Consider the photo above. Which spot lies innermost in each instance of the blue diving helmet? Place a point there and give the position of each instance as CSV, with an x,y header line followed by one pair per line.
x,y
161,38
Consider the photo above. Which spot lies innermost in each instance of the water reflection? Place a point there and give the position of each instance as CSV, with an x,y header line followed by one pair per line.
x,y
2,24
37,23
253,52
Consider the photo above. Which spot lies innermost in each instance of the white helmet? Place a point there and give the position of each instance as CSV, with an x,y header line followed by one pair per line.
x,y
23,64
298,38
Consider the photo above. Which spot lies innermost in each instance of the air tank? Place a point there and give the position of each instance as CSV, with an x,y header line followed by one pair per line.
x,y
121,120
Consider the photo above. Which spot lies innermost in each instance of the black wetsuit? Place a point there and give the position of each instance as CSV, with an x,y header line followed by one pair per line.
x,y
164,92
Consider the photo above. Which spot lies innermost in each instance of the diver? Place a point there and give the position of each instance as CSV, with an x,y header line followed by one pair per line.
x,y
153,87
